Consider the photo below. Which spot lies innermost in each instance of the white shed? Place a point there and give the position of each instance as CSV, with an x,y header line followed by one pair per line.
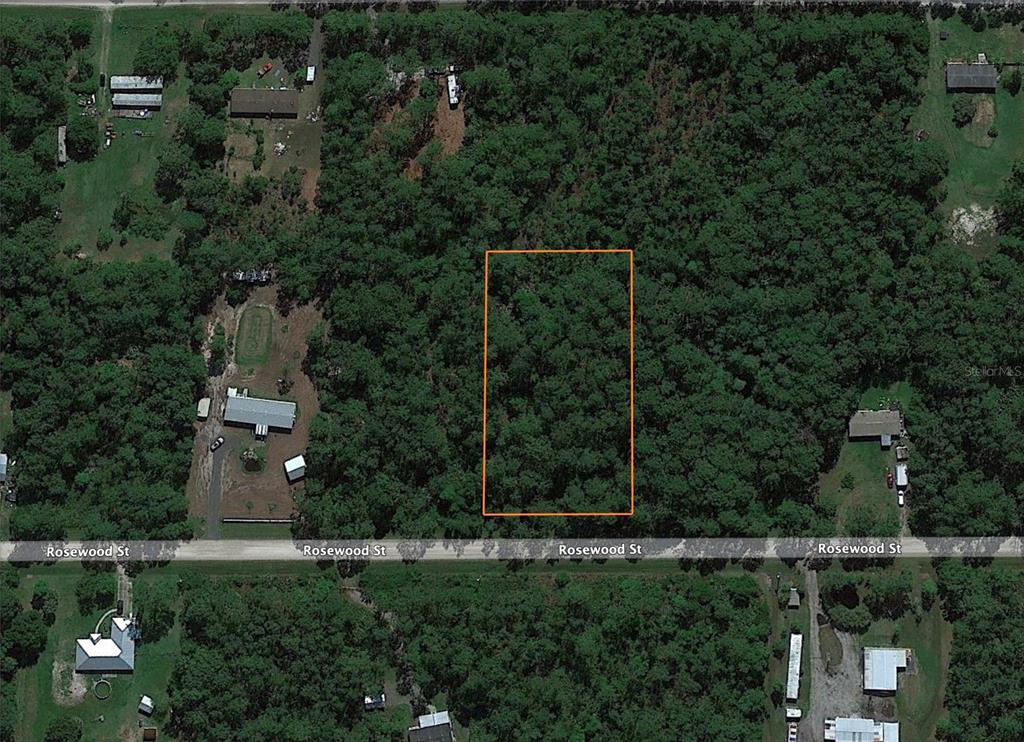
x,y
146,705
203,408
295,468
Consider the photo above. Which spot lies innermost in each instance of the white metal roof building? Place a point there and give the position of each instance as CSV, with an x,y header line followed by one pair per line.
x,y
436,727
261,414
116,654
3,467
137,100
136,83
848,729
295,468
880,667
796,645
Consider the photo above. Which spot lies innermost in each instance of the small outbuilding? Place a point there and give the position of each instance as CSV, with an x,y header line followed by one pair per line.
x,y
3,468
146,705
374,702
794,598
295,469
203,408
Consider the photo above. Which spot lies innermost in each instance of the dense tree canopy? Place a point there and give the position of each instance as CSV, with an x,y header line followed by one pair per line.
x,y
287,659
985,689
757,164
586,658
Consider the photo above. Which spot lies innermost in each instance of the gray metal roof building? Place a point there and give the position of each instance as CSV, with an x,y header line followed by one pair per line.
x,y
261,102
268,413
971,78
880,667
136,83
875,423
136,100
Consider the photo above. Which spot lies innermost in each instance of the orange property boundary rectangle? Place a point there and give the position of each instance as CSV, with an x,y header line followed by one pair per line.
x,y
632,454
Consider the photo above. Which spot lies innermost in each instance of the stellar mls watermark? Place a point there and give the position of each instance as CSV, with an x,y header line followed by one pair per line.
x,y
990,372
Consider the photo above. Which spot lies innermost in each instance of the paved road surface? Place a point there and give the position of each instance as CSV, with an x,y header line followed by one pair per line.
x,y
178,3
504,549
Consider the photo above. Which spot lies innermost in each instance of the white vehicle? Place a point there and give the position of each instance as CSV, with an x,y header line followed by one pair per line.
x,y
901,499
453,88
902,480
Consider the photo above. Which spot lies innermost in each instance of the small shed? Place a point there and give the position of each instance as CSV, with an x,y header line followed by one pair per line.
x,y
3,468
295,468
203,408
148,734
902,453
146,705
374,702
794,598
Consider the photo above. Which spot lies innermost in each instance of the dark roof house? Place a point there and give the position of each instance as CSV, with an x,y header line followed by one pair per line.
x,y
264,102
970,78
881,424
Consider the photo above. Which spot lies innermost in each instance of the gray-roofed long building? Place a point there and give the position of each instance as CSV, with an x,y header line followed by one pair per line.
x,y
261,414
136,84
264,102
136,100
971,78
880,667
876,423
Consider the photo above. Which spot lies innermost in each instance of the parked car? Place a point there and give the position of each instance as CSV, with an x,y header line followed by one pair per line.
x,y
217,443
888,478
901,499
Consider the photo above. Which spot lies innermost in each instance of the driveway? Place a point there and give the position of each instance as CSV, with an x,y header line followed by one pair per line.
x,y
213,494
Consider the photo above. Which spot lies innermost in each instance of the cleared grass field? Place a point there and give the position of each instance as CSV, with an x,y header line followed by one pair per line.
x,y
39,703
978,164
255,336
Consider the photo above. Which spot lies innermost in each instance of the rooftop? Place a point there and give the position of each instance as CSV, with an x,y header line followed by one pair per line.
x,y
436,727
851,729
973,76
137,100
264,102
255,411
116,654
136,82
875,423
880,667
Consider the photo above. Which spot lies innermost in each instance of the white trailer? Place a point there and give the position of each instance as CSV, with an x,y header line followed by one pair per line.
x,y
902,480
453,88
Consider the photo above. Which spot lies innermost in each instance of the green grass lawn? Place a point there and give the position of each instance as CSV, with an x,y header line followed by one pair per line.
x,y
254,337
878,397
978,164
35,685
255,530
783,619
919,696
865,462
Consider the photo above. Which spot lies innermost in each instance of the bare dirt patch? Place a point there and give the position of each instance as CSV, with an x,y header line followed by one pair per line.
x,y
449,124
984,114
267,494
67,686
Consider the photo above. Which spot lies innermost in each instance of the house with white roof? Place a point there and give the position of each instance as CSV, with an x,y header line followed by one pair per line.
x,y
116,654
436,727
881,666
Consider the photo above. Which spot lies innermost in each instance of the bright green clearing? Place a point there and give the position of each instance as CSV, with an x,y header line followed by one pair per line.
x,y
254,337
920,693
37,684
280,531
978,163
784,620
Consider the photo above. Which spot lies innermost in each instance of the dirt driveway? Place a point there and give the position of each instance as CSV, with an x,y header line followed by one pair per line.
x,y
264,494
